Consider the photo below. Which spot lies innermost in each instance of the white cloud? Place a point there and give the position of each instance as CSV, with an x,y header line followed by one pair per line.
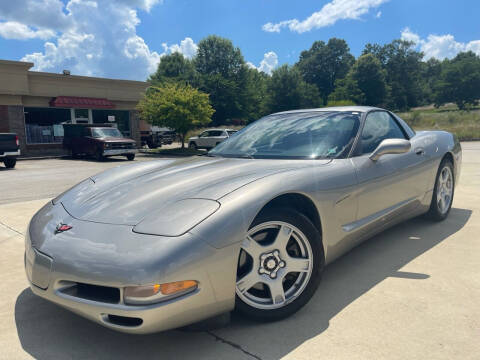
x,y
440,46
187,47
268,63
329,14
88,37
379,15
17,31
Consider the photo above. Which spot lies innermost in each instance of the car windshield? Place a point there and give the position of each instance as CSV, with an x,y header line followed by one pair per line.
x,y
301,135
106,132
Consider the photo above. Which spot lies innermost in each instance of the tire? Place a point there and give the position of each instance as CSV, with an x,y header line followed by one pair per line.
x,y
130,157
444,189
192,146
99,155
10,163
255,299
74,154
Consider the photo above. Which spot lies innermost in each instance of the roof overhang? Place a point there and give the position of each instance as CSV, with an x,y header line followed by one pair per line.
x,y
81,102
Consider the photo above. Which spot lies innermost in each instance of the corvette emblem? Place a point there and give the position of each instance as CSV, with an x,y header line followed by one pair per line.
x,y
62,228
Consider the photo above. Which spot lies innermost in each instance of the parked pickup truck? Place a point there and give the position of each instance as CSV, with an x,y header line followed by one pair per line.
x,y
9,149
98,140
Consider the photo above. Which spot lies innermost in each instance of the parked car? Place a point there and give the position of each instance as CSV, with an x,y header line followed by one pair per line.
x,y
98,140
210,138
9,149
167,137
151,139
250,226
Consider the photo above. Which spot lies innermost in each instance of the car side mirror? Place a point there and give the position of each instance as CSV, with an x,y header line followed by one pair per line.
x,y
390,146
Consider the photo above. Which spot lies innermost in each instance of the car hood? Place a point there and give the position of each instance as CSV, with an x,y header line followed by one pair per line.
x,y
127,194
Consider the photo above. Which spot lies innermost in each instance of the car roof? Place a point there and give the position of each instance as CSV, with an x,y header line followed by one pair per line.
x,y
333,108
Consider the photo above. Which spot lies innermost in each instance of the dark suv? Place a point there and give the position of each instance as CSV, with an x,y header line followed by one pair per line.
x,y
100,141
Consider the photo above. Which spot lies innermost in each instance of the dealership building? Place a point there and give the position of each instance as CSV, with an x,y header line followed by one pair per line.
x,y
35,105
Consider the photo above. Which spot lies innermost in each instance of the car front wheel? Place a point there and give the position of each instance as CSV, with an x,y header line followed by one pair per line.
x,y
130,157
10,163
280,265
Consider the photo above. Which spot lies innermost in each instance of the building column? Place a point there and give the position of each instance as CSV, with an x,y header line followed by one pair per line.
x,y
16,119
134,120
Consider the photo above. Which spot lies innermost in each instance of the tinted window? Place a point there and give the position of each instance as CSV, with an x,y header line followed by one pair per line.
x,y
231,132
379,126
306,135
216,133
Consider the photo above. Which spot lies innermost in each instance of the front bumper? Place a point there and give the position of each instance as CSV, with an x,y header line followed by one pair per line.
x,y
10,153
54,262
114,152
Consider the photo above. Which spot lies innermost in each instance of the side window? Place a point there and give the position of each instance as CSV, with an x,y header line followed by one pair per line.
x,y
216,133
379,126
205,134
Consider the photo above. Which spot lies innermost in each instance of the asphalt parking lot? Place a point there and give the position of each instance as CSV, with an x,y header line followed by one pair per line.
x,y
412,292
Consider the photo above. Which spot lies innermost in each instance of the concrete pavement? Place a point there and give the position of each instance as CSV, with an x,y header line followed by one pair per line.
x,y
411,292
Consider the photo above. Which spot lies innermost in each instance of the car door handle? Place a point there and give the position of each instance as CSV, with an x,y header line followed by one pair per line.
x,y
420,151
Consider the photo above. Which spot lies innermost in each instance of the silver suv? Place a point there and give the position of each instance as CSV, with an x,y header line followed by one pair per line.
x,y
210,138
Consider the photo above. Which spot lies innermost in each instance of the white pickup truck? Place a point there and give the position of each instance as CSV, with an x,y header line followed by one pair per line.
x,y
9,149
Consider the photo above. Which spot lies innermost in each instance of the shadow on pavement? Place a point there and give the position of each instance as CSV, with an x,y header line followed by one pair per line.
x,y
47,331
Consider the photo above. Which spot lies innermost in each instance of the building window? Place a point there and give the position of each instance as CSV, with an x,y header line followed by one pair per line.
x,y
44,125
119,117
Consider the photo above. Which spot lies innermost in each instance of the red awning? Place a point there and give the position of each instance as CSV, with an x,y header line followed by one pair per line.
x,y
81,102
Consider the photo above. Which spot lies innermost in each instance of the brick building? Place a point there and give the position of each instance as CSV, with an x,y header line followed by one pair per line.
x,y
36,104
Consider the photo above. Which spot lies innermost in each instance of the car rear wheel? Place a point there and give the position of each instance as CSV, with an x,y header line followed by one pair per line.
x,y
443,192
10,163
280,265
130,157
192,146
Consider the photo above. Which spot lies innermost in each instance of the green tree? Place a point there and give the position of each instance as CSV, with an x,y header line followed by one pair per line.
x,y
365,83
324,64
459,81
176,106
288,91
403,65
174,67
225,76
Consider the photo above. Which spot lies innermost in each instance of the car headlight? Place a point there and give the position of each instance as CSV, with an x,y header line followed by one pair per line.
x,y
177,218
151,294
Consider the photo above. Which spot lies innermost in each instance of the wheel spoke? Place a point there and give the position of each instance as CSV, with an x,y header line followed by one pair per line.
x,y
246,282
252,247
283,236
297,264
276,291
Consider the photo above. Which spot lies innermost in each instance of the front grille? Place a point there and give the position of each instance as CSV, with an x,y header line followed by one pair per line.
x,y
103,294
115,146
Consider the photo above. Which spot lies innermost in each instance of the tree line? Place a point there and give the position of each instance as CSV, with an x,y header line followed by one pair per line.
x,y
392,76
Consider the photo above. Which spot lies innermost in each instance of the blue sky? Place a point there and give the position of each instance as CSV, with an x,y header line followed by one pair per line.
x,y
126,38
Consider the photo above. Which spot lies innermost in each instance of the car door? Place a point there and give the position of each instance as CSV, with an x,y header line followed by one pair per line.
x,y
391,185
216,137
203,139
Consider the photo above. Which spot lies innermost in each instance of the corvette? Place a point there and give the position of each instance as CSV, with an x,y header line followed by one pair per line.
x,y
250,226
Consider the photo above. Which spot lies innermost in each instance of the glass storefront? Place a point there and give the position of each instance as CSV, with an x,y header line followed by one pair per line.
x,y
119,117
45,125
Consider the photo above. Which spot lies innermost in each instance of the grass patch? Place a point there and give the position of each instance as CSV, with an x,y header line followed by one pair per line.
x,y
464,124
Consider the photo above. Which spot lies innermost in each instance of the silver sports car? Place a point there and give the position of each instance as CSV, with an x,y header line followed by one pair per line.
x,y
248,226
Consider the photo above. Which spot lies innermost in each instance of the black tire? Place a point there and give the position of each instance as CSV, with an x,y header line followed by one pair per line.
x,y
10,163
130,157
313,236
74,154
192,146
99,155
434,213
